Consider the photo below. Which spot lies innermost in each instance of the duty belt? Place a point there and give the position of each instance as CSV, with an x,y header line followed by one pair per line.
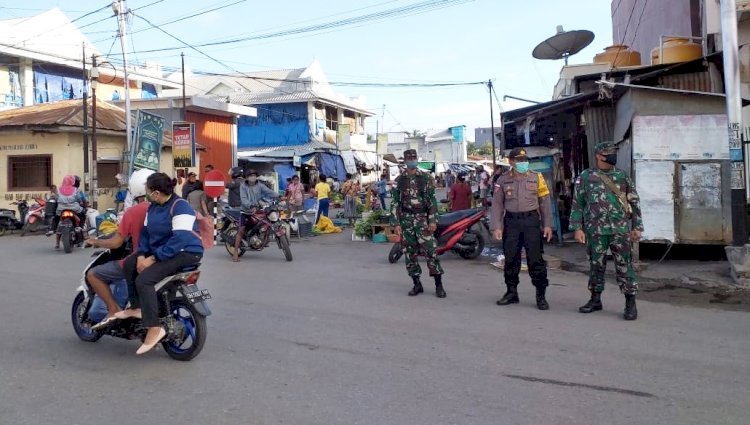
x,y
408,210
524,214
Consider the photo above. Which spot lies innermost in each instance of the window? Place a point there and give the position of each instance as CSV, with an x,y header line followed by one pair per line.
x,y
29,172
106,172
332,118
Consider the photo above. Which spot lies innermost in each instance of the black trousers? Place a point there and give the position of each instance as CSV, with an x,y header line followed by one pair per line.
x,y
522,230
144,282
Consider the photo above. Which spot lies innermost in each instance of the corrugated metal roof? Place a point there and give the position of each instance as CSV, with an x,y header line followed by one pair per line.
x,y
64,113
286,151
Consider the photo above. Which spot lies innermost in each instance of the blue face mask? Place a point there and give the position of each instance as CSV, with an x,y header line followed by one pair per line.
x,y
411,164
522,167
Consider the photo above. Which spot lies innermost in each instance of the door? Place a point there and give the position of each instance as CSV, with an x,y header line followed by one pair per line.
x,y
700,212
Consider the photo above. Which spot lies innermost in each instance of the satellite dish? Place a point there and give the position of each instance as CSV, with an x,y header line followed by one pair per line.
x,y
563,44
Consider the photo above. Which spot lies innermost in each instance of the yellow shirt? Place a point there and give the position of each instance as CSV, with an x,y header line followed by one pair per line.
x,y
323,190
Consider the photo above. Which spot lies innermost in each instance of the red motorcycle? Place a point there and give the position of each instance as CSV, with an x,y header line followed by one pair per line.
x,y
268,226
455,232
33,218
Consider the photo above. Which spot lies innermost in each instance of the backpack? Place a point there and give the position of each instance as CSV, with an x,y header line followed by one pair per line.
x,y
205,227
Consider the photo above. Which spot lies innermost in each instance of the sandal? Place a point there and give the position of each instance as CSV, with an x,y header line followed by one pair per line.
x,y
145,348
105,322
128,314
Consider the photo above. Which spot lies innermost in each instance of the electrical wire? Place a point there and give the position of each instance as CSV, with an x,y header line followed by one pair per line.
x,y
625,34
420,7
60,26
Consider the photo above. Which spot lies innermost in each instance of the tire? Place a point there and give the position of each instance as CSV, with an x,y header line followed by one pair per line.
x,y
67,247
478,248
2,230
230,233
284,244
83,331
195,328
395,254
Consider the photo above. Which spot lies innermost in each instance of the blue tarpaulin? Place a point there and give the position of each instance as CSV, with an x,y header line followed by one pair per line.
x,y
284,171
332,165
53,83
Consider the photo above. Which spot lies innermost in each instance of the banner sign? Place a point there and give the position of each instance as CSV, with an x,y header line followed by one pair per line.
x,y
343,137
149,131
183,144
382,144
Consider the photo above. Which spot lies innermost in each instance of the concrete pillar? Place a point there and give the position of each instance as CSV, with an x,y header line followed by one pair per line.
x,y
26,78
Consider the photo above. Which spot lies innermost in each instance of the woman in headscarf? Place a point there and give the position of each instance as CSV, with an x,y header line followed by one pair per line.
x,y
67,199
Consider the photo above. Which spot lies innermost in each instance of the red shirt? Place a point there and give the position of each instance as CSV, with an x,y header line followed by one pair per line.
x,y
460,197
132,223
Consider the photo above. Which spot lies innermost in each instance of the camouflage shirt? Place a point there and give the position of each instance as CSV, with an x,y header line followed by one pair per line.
x,y
597,210
414,194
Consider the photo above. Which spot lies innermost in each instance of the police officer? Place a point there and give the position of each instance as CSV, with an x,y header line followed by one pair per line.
x,y
414,215
606,215
521,206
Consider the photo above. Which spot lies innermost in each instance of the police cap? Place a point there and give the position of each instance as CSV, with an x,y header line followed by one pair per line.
x,y
517,153
603,147
410,154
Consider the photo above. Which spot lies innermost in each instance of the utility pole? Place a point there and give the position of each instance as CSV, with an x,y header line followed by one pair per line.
x,y
85,122
739,173
120,9
492,128
94,154
184,108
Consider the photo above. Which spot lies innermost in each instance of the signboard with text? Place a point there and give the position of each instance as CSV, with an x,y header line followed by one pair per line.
x,y
183,144
343,136
149,131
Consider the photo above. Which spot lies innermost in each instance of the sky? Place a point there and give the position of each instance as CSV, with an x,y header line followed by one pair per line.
x,y
468,41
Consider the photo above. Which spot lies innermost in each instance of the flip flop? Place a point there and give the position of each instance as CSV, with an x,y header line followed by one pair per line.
x,y
104,323
145,348
127,314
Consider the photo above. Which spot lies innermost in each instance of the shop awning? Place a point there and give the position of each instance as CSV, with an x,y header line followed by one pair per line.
x,y
548,108
349,161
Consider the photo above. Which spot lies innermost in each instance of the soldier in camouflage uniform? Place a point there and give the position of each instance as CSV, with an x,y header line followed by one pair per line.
x,y
606,216
414,215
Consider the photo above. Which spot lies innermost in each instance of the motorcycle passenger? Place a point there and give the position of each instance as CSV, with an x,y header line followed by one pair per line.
x,y
67,199
169,241
251,193
131,225
234,198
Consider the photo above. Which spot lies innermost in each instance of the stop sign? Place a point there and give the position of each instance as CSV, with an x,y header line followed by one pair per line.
x,y
213,184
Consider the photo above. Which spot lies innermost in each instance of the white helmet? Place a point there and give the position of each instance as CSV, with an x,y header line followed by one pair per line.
x,y
137,182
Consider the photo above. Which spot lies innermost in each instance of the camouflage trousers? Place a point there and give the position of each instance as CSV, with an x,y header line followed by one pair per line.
x,y
415,240
620,246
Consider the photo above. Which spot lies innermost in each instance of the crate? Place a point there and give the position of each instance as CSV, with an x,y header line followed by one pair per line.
x,y
304,230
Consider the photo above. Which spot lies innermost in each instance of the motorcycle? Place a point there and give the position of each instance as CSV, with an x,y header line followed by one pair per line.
x,y
268,226
8,221
32,218
455,232
71,230
183,312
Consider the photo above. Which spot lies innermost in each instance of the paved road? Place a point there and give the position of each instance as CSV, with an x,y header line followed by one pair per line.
x,y
333,338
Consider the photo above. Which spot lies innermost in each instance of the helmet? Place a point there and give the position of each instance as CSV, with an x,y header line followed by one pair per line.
x,y
77,181
235,172
137,183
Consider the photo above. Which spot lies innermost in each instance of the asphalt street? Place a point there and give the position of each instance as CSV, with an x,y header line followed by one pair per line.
x,y
332,338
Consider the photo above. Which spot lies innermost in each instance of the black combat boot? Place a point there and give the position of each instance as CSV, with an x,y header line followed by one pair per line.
x,y
594,304
510,297
541,301
417,289
439,291
631,313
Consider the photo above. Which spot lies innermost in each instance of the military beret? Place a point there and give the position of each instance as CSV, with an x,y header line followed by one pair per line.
x,y
518,153
605,147
412,153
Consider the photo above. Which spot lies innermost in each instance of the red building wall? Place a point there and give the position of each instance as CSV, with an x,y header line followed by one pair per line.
x,y
215,133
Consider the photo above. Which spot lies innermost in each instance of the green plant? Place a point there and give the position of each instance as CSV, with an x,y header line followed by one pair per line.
x,y
363,228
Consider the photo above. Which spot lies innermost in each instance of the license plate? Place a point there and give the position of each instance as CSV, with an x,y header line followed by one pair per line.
x,y
198,296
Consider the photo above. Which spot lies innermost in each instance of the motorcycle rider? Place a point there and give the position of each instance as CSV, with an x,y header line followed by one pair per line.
x,y
251,193
130,227
68,199
234,185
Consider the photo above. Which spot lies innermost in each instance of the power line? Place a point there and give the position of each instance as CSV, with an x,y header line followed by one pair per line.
x,y
60,26
420,7
625,34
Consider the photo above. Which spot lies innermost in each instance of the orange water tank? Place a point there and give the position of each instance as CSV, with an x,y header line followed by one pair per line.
x,y
676,49
619,53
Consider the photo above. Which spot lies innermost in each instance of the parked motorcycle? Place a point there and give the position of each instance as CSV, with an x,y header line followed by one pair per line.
x,y
71,230
268,226
455,232
8,221
33,218
183,312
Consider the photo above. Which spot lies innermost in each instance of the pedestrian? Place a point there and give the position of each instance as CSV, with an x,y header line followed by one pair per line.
x,y
198,200
414,216
382,190
295,194
350,190
190,185
450,179
483,179
606,215
207,169
460,194
521,207
322,193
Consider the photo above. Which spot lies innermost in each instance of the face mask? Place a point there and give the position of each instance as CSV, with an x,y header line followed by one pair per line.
x,y
411,164
522,167
252,179
610,158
